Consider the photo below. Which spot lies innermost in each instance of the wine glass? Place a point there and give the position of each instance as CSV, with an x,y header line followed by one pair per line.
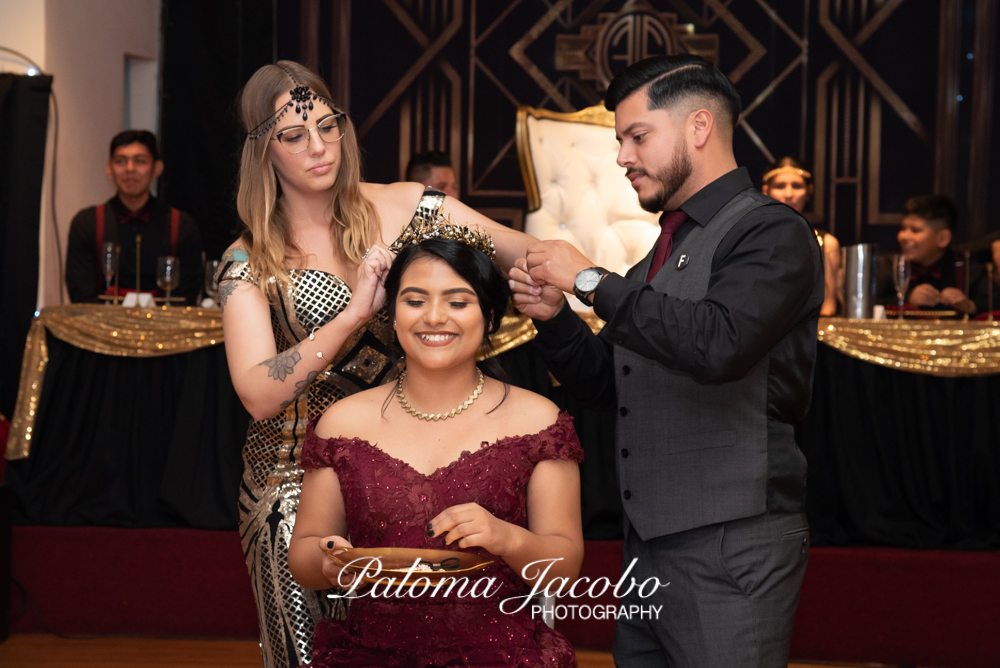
x,y
110,252
168,274
211,285
901,277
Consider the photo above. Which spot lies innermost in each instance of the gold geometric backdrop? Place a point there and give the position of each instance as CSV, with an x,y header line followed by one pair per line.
x,y
879,96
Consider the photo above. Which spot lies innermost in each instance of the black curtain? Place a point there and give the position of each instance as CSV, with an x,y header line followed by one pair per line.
x,y
24,118
210,49
901,459
133,442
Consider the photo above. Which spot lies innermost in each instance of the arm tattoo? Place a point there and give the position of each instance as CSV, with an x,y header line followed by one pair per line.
x,y
283,364
226,285
226,288
300,386
235,255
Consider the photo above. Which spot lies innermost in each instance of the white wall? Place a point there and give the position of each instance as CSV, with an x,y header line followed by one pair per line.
x,y
86,43
22,28
83,44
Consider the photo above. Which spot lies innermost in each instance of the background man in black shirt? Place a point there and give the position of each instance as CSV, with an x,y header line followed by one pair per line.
x,y
433,168
707,354
133,165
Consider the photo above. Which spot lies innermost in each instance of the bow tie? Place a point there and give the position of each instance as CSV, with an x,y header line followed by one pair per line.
x,y
918,271
141,215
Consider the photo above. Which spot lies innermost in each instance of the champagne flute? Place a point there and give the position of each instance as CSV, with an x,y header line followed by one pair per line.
x,y
212,285
110,252
901,277
168,274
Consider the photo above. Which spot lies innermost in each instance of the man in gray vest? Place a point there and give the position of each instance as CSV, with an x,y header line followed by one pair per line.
x,y
707,355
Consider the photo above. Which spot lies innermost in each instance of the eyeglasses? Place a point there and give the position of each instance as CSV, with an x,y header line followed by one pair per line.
x,y
295,140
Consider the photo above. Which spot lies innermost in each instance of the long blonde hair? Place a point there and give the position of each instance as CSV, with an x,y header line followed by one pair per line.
x,y
354,223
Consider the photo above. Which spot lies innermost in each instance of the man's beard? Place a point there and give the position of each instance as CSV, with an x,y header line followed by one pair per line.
x,y
671,179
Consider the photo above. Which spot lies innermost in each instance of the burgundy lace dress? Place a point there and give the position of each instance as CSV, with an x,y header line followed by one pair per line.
x,y
389,504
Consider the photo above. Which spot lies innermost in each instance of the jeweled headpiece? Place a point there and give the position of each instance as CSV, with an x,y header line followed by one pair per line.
x,y
438,225
787,169
302,100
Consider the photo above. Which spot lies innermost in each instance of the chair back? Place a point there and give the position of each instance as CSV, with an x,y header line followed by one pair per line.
x,y
577,192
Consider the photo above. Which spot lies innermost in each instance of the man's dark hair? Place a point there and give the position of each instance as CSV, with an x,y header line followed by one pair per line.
x,y
420,165
933,208
144,137
672,78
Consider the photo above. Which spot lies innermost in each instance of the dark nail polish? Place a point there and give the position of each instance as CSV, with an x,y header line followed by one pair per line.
x,y
329,545
431,533
430,527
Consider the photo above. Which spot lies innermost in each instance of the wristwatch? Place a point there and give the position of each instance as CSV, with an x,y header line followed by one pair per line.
x,y
587,281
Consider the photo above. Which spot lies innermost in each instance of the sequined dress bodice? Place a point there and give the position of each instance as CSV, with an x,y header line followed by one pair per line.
x,y
316,298
389,504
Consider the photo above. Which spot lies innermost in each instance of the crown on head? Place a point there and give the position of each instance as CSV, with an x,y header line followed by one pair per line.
x,y
787,169
437,225
302,100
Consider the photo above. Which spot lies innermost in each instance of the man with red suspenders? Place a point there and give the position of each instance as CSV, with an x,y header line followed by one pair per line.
x,y
133,165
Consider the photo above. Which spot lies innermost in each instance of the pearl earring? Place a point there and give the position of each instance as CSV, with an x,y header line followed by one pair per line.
x,y
393,323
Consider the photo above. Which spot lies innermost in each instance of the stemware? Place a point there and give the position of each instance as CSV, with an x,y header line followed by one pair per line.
x,y
110,253
211,285
168,274
901,278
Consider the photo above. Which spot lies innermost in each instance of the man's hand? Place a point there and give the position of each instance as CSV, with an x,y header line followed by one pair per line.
x,y
956,299
952,296
556,263
925,295
541,302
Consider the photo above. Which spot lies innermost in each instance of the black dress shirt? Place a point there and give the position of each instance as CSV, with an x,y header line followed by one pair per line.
x,y
84,280
944,273
764,295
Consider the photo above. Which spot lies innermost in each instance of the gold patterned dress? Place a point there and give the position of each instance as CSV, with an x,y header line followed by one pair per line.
x,y
272,479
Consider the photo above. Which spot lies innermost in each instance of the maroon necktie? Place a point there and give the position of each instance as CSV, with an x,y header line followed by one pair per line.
x,y
669,223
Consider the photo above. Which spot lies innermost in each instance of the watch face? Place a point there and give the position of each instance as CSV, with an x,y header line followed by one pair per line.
x,y
587,280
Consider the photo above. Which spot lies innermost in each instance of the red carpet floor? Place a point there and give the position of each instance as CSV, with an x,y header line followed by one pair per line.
x,y
858,605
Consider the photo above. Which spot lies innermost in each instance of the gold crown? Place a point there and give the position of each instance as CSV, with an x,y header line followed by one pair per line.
x,y
438,225
787,169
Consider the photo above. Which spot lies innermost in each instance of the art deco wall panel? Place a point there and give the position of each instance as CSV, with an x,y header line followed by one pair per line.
x,y
874,94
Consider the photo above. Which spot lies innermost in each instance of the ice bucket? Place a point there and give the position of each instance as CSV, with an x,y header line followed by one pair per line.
x,y
859,280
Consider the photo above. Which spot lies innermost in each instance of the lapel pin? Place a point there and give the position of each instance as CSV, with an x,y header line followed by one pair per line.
x,y
682,261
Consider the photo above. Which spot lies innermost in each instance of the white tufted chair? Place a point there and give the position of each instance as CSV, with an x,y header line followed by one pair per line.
x,y
577,192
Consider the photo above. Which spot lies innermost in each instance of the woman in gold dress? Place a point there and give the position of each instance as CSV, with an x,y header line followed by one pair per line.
x,y
301,292
787,181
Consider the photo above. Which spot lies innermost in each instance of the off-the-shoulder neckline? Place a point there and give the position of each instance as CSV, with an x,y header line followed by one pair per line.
x,y
484,446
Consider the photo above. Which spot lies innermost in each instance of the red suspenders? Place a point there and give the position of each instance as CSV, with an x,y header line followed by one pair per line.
x,y
100,236
175,223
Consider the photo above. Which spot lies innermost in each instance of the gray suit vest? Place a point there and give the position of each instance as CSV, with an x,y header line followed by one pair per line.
x,y
696,451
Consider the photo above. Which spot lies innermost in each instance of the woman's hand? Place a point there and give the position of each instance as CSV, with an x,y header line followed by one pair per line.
x,y
541,302
472,526
368,295
331,570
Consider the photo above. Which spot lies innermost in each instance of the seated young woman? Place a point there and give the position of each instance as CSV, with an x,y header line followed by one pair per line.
x,y
448,458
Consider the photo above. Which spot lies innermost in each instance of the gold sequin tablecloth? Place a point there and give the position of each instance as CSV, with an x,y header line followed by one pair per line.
x,y
109,330
947,348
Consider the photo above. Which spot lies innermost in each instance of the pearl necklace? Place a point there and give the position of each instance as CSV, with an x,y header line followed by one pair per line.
x,y
437,416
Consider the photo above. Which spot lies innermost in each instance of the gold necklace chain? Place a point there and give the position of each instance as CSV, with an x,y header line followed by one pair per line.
x,y
437,416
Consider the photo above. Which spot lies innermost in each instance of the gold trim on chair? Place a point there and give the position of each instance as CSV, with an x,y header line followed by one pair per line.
x,y
596,115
